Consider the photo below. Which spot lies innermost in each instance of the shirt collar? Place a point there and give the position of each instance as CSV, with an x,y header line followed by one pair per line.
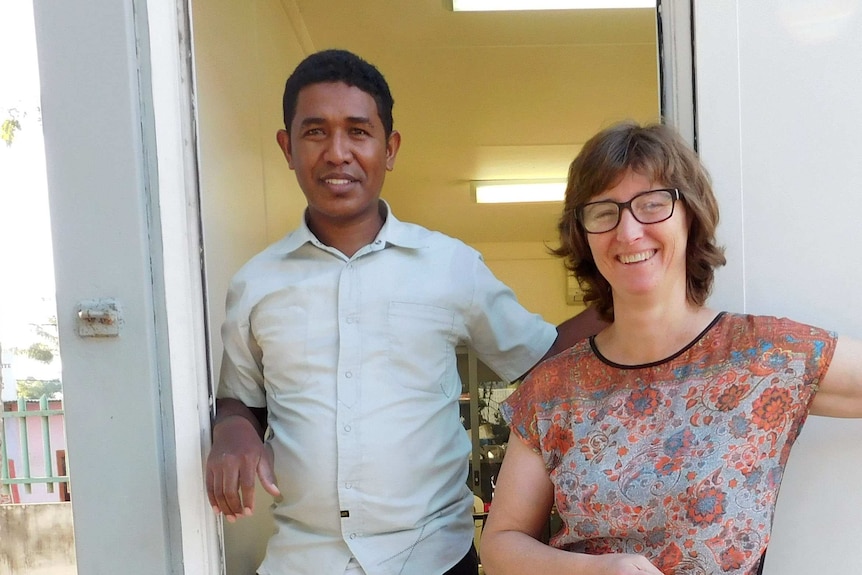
x,y
394,232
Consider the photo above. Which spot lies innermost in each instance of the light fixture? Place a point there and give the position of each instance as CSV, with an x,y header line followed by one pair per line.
x,y
514,191
495,5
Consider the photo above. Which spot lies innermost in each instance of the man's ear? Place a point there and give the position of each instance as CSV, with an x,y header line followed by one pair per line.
x,y
283,139
392,145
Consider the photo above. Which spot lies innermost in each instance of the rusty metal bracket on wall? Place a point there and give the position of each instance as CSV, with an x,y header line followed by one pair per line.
x,y
99,318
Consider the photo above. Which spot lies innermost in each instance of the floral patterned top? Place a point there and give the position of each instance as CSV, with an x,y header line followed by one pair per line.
x,y
678,460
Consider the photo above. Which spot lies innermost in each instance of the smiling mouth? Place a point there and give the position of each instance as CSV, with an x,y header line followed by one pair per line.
x,y
635,258
338,181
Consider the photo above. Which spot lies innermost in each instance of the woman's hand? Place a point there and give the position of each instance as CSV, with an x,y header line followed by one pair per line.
x,y
619,564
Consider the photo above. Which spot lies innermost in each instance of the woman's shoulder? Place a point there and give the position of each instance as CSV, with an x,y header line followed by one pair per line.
x,y
552,384
566,370
767,326
746,335
574,355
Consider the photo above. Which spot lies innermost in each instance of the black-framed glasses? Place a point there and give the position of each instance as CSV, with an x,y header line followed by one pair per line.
x,y
649,207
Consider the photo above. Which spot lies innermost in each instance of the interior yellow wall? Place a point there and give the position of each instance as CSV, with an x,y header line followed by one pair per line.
x,y
243,54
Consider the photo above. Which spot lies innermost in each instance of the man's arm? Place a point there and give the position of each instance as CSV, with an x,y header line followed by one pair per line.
x,y
237,457
226,408
576,328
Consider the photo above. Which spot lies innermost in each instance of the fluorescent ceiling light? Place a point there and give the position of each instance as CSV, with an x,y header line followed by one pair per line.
x,y
489,5
513,191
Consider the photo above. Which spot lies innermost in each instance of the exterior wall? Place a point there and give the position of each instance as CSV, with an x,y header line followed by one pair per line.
x,y
779,118
7,376
37,539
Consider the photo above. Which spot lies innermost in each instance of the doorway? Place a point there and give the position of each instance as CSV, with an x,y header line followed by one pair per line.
x,y
478,96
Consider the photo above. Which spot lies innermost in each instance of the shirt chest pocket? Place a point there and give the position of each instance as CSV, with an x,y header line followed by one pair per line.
x,y
281,332
421,346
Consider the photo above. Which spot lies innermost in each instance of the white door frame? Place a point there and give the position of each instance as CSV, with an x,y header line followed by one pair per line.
x,y
676,67
172,76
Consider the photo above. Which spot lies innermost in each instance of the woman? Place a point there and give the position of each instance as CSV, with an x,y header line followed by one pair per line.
x,y
661,440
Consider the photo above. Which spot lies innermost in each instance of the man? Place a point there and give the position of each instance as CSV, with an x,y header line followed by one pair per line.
x,y
341,337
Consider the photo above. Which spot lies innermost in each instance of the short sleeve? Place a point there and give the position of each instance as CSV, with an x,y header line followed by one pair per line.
x,y
504,334
241,375
540,410
790,338
517,412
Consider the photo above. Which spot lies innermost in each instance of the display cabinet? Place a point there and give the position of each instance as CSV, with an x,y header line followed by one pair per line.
x,y
482,391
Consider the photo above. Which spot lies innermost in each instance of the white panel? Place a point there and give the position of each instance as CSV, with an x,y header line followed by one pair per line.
x,y
780,115
98,197
801,118
717,73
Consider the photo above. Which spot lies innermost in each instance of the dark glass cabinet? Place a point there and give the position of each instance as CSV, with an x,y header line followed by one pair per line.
x,y
482,391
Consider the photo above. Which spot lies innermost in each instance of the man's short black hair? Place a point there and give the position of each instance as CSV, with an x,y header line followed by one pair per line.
x,y
338,66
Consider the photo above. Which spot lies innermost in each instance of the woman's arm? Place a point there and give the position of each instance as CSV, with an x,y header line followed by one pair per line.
x,y
522,504
840,392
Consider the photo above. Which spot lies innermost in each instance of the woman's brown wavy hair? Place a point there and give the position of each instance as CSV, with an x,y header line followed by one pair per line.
x,y
659,153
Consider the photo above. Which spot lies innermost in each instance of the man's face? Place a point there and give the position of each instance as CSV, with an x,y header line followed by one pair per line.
x,y
339,150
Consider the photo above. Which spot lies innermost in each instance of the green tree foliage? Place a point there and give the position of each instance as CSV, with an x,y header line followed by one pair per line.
x,y
10,126
39,351
31,388
48,346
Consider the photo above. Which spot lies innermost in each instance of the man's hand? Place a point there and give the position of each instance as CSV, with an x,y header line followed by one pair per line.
x,y
237,457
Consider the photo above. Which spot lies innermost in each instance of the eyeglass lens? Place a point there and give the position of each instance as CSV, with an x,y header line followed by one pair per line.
x,y
648,207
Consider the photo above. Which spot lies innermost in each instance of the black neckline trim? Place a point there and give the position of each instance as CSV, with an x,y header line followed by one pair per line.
x,y
661,361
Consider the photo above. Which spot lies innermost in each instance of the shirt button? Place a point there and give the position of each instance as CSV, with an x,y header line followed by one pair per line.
x,y
353,535
348,375
348,486
347,428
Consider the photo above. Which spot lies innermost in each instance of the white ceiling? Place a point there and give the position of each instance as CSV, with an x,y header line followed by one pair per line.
x,y
491,95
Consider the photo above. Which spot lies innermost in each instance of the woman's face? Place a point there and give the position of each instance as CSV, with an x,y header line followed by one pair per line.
x,y
641,260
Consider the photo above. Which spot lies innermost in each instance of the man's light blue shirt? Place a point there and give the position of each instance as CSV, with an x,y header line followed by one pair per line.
x,y
354,358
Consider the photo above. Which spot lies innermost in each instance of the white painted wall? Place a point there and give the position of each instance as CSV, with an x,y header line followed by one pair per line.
x,y
779,123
